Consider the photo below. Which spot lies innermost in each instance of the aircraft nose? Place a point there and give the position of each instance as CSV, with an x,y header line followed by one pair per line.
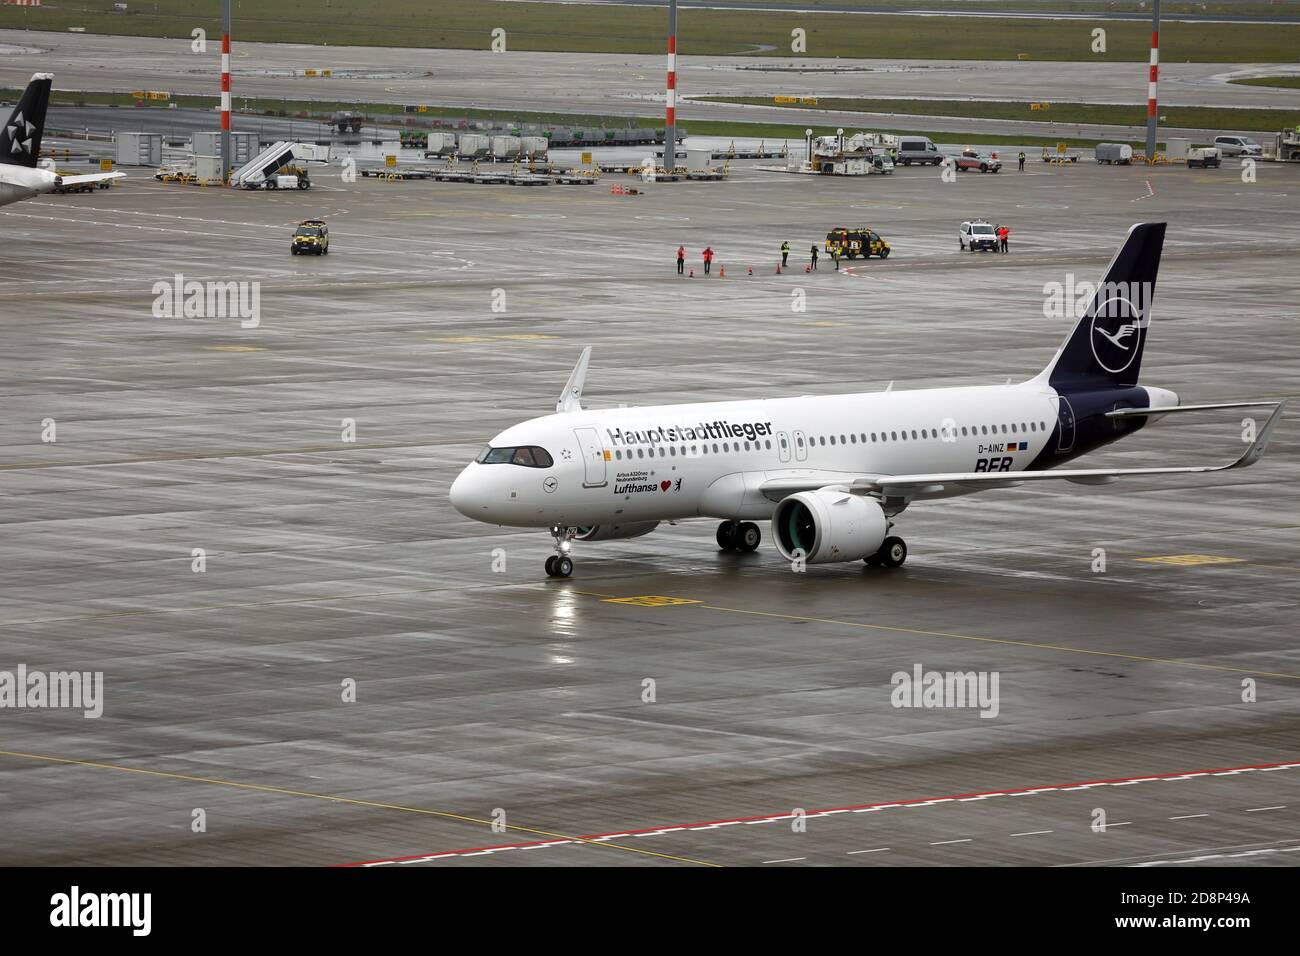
x,y
462,493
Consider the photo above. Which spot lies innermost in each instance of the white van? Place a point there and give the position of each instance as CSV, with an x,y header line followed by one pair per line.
x,y
1237,146
917,149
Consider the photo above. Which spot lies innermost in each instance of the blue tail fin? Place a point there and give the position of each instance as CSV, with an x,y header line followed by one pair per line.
x,y
1104,349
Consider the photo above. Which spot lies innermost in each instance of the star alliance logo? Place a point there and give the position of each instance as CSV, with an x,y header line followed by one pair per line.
x,y
14,133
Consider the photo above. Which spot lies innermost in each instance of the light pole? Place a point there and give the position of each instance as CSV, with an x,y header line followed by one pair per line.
x,y
225,91
1152,119
670,115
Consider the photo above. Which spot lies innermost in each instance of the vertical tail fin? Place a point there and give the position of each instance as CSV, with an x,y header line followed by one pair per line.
x,y
20,139
1104,349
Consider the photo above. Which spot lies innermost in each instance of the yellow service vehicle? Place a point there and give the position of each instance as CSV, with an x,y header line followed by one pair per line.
x,y
312,235
852,243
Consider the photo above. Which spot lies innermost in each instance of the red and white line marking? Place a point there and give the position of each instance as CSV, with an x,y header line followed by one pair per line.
x,y
813,814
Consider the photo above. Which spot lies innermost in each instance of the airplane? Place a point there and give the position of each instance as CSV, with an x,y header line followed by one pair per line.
x,y
20,146
832,473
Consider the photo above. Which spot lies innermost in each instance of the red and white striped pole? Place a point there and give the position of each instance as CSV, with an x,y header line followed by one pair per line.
x,y
1152,79
670,117
225,92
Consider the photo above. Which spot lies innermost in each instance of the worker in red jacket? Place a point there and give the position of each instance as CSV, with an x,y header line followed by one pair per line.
x,y
681,259
708,258
1003,233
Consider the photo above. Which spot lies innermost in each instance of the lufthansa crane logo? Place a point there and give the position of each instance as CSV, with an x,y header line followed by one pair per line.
x,y
1117,333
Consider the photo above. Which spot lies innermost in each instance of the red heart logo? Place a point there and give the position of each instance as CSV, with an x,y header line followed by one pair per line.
x,y
665,485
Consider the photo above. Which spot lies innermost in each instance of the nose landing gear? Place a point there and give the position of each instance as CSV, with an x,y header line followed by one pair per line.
x,y
560,565
738,536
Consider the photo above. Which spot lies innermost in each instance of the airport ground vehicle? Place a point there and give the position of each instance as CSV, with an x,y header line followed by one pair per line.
x,y
1114,154
1284,147
852,243
970,159
977,234
917,149
1203,157
343,120
312,235
1237,146
881,163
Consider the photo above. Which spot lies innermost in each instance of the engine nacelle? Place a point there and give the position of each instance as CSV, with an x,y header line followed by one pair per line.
x,y
608,532
828,525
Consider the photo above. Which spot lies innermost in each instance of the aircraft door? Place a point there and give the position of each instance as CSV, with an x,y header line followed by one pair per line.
x,y
783,445
593,457
1065,423
800,446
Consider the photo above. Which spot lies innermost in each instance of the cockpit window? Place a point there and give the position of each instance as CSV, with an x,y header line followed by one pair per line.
x,y
530,456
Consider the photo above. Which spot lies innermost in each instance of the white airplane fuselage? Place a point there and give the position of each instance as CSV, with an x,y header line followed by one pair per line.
x,y
668,462
24,182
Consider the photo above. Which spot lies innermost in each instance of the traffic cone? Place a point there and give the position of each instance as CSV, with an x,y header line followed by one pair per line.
x,y
778,270
751,270
722,272
807,268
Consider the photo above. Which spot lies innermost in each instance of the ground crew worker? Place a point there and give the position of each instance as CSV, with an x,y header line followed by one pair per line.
x,y
681,259
1021,159
785,253
1003,233
708,258
835,254
813,263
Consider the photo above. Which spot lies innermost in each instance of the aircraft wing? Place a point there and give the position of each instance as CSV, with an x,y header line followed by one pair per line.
x,y
90,178
911,487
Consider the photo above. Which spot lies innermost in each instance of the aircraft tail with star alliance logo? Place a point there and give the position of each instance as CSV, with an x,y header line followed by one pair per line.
x,y
20,139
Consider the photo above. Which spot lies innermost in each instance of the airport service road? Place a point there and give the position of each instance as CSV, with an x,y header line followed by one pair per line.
x,y
331,561
617,84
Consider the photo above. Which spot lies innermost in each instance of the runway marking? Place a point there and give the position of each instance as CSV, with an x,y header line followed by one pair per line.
x,y
1190,816
1001,640
793,859
865,808
1262,809
651,600
879,849
1191,560
1032,833
1219,856
946,842
350,801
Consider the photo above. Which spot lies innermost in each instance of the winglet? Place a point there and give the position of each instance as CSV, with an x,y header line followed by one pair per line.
x,y
1256,450
571,397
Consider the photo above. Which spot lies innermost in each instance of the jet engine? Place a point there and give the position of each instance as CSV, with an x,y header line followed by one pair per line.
x,y
828,525
608,532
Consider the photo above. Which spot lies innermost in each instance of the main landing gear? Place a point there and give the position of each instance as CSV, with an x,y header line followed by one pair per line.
x,y
560,565
739,536
891,554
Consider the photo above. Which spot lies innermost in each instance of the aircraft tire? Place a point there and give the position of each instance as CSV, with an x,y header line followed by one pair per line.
x,y
893,552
